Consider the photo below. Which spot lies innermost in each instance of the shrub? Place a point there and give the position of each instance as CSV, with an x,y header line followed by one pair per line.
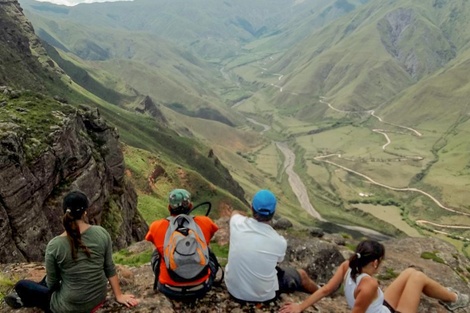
x,y
432,256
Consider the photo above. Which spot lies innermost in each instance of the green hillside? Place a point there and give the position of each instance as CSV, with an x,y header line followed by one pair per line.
x,y
212,29
371,96
439,108
368,56
146,63
36,71
406,62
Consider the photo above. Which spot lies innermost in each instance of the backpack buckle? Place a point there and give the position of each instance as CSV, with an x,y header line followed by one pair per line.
x,y
183,231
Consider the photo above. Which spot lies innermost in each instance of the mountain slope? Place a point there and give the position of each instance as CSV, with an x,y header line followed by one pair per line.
x,y
147,63
213,29
373,101
23,49
365,58
158,47
356,88
47,148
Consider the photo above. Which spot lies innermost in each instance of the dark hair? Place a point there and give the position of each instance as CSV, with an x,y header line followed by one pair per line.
x,y
366,252
75,204
180,209
262,217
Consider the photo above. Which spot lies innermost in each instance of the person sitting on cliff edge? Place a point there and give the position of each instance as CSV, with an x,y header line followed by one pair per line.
x,y
252,273
79,265
363,293
195,285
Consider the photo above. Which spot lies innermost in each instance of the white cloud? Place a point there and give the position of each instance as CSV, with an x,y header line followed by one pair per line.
x,y
75,2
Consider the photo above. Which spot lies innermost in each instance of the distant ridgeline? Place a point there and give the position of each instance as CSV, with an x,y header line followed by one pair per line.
x,y
47,148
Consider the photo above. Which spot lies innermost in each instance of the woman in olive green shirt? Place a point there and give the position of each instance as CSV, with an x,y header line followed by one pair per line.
x,y
78,267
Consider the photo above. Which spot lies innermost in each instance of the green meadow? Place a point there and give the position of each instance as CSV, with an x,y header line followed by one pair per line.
x,y
390,214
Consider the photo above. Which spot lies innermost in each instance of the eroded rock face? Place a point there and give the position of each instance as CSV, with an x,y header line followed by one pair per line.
x,y
84,153
396,29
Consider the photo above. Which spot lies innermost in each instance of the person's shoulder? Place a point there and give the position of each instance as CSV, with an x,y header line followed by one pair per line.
x,y
369,282
98,231
238,213
278,237
204,221
158,223
237,216
56,243
203,218
57,240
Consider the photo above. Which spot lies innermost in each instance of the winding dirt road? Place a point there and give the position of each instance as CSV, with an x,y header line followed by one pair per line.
x,y
300,190
265,127
419,222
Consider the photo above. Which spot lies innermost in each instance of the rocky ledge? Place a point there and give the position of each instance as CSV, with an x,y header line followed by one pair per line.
x,y
319,256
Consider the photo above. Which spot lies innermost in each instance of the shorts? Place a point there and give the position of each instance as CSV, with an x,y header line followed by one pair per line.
x,y
289,279
389,307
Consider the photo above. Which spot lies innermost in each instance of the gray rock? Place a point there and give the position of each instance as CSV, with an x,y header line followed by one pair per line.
x,y
400,253
319,258
316,232
282,223
336,239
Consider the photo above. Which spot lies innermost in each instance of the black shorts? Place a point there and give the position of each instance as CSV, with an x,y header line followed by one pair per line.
x,y
392,310
289,279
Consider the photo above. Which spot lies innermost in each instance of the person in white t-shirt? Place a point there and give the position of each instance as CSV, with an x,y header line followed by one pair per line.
x,y
252,272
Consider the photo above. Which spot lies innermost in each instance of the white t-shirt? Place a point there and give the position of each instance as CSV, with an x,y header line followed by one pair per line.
x,y
255,249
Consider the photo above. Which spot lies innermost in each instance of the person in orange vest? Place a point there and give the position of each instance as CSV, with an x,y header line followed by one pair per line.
x,y
198,278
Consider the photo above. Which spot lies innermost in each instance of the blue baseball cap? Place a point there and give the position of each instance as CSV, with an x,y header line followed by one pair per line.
x,y
264,202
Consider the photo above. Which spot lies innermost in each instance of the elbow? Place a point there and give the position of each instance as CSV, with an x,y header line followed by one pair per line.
x,y
53,286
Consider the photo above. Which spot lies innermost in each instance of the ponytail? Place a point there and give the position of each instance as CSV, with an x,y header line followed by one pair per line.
x,y
366,251
74,205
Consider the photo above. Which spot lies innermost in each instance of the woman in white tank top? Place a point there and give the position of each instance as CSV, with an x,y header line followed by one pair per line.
x,y
364,295
350,286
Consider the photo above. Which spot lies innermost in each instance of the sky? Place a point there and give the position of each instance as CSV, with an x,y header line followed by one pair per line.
x,y
75,2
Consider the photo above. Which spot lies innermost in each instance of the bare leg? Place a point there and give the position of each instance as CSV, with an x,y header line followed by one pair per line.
x,y
393,292
307,283
405,292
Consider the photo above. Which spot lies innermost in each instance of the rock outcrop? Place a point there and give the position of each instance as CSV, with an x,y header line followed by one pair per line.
x,y
319,257
421,58
44,153
147,105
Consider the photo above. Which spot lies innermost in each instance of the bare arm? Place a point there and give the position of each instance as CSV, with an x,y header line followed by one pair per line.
x,y
324,291
125,299
366,292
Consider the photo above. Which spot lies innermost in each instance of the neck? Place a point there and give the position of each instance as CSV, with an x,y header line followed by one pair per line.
x,y
82,225
369,269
